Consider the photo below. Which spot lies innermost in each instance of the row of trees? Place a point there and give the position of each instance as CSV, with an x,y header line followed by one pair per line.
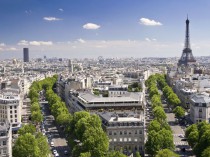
x,y
30,143
198,138
160,138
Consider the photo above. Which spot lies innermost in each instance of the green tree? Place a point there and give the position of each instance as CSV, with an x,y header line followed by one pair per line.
x,y
26,146
29,128
37,117
86,154
179,112
166,153
166,139
35,107
154,125
193,138
190,129
153,143
156,100
173,99
115,154
159,114
43,145
206,152
138,154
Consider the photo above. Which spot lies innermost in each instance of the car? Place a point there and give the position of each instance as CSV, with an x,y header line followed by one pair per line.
x,y
55,152
52,144
181,136
56,155
65,152
184,139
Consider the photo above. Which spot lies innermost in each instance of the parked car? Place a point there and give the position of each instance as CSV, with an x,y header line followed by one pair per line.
x,y
65,152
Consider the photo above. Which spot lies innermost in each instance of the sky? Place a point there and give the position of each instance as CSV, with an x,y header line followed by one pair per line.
x,y
108,28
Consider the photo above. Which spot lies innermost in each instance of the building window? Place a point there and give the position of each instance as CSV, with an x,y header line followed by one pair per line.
x,y
110,133
135,139
200,109
10,116
15,116
4,143
135,131
129,139
10,111
10,107
129,133
120,132
15,107
11,121
125,139
140,131
15,120
15,111
115,133
115,139
125,132
120,139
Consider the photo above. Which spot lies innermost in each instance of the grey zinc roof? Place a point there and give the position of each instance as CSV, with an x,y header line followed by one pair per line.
x,y
89,97
200,98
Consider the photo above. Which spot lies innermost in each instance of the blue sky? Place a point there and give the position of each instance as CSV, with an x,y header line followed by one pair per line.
x,y
109,28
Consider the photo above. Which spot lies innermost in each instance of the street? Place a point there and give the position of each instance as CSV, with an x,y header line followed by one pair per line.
x,y
55,137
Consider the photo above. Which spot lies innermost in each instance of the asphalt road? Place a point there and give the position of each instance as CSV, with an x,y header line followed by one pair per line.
x,y
53,133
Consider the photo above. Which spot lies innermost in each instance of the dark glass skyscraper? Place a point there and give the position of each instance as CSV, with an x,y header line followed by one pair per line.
x,y
25,54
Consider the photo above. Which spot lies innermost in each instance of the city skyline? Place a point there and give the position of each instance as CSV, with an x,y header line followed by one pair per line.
x,y
107,28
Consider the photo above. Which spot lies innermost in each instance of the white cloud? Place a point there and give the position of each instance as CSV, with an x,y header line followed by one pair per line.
x,y
154,39
34,43
91,26
52,18
1,49
149,22
81,41
147,39
2,44
60,9
23,43
12,49
41,43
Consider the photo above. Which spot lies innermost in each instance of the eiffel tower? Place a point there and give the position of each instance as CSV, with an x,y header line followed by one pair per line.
x,y
187,56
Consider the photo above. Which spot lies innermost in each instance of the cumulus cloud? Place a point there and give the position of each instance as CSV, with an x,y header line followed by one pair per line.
x,y
147,39
149,22
81,41
40,43
60,9
91,26
2,44
35,43
52,18
12,49
23,43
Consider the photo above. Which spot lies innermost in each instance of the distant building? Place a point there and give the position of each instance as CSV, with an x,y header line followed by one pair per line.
x,y
5,140
187,56
25,54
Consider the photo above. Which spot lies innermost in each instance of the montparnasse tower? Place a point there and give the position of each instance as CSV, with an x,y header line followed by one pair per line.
x,y
187,56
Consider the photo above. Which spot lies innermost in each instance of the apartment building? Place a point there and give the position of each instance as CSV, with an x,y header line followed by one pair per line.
x,y
5,140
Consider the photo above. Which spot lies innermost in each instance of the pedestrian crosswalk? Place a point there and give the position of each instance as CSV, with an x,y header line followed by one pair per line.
x,y
181,143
